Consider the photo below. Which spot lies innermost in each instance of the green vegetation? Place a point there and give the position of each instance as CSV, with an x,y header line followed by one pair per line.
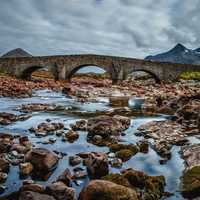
x,y
190,76
3,72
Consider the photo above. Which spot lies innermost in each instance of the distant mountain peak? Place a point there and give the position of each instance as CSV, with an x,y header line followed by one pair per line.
x,y
179,48
197,50
178,54
17,53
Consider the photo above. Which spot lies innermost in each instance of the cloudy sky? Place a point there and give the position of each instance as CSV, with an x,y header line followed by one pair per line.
x,y
131,28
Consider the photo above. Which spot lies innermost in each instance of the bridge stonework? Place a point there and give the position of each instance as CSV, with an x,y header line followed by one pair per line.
x,y
63,67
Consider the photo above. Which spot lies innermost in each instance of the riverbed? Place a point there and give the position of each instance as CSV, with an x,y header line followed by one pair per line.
x,y
148,163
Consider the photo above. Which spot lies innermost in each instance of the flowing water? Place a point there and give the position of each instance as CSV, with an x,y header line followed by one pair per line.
x,y
148,163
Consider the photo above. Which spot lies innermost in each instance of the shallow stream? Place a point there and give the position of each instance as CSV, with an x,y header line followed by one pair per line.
x,y
148,163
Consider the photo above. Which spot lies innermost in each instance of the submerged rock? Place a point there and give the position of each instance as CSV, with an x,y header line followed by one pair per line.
x,y
106,190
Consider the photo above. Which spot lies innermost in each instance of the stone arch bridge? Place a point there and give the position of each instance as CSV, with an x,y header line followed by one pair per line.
x,y
63,67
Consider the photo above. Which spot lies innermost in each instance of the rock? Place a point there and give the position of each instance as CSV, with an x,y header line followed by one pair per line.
x,y
47,127
119,100
97,165
71,136
28,195
106,190
25,168
152,187
2,189
33,187
143,146
191,155
116,162
75,160
8,118
66,178
106,126
3,176
118,179
191,183
4,165
79,173
165,134
40,107
42,159
60,191
79,125
6,142
124,151
124,154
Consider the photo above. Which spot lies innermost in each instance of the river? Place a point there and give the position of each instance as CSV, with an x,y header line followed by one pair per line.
x,y
148,163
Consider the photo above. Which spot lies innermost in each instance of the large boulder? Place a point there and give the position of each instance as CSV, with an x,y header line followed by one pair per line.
x,y
60,191
6,142
97,165
106,126
29,195
191,183
4,165
42,159
106,190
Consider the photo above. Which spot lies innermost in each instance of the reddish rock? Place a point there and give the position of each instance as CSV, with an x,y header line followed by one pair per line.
x,y
97,165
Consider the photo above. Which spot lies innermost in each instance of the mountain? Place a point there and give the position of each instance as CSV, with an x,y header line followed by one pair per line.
x,y
16,53
178,54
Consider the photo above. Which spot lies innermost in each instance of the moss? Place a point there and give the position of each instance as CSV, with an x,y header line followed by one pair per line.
x,y
191,183
118,179
118,147
135,178
124,154
154,187
190,75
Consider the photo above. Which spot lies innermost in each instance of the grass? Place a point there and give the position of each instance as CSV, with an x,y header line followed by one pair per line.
x,y
190,76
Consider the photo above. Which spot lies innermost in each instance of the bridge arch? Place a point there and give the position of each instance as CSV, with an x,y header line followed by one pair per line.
x,y
29,70
152,74
78,67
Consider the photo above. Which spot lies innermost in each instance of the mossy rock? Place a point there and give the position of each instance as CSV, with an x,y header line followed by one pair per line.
x,y
118,179
154,187
124,154
118,147
135,178
191,183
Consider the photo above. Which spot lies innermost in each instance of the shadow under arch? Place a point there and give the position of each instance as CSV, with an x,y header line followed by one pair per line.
x,y
27,73
153,75
76,69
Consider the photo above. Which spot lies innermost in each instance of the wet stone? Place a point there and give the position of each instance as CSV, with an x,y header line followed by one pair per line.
x,y
74,160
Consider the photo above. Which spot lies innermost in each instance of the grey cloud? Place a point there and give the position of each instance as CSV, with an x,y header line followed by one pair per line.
x,y
115,27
